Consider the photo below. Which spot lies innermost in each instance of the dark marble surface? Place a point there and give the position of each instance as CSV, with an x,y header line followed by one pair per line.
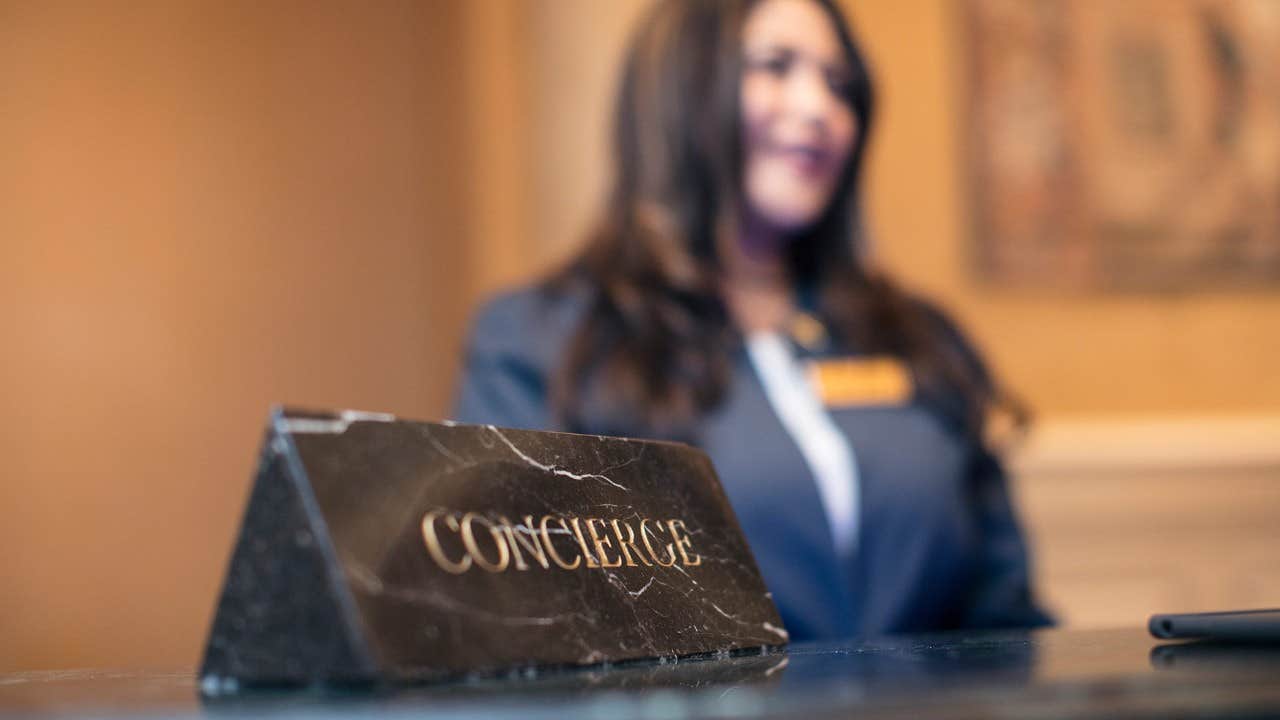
x,y
1118,673
382,548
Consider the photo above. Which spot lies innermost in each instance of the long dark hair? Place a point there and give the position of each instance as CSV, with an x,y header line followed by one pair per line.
x,y
655,343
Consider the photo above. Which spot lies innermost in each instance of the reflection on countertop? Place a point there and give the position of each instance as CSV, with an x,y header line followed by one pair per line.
x,y
1055,673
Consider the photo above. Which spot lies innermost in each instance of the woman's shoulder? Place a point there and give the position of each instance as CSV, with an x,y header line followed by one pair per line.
x,y
951,336
515,344
533,322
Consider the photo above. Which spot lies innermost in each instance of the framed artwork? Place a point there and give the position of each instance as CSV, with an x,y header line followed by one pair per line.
x,y
1129,145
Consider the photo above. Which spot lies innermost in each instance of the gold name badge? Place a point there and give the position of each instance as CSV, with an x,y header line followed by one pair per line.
x,y
848,381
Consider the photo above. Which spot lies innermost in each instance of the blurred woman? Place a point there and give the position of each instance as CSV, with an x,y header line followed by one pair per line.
x,y
724,300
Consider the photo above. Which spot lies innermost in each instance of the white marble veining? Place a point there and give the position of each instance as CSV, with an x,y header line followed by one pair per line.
x,y
552,468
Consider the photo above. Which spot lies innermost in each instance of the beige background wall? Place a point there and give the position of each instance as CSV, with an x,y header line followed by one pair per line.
x,y
206,207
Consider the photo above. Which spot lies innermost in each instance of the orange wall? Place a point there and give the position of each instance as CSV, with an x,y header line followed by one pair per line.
x,y
207,207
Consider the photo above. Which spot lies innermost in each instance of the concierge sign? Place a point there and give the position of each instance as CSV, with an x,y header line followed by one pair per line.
x,y
378,549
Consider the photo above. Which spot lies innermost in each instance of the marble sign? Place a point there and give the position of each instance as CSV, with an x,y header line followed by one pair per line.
x,y
379,549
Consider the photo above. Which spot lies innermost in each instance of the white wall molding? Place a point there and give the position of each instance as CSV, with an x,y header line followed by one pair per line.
x,y
1149,443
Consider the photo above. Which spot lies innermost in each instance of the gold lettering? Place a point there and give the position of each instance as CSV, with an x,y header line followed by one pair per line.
x,y
473,549
644,536
683,543
514,541
628,541
551,548
528,538
601,543
433,543
582,543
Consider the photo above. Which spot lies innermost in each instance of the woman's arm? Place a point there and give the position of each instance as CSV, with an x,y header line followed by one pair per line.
x,y
1001,595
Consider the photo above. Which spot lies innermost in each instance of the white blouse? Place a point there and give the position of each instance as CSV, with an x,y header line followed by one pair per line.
x,y
826,450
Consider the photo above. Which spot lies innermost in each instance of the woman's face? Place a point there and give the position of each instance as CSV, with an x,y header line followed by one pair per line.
x,y
798,123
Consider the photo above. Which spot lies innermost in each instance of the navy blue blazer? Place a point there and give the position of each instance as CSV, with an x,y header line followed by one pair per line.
x,y
939,546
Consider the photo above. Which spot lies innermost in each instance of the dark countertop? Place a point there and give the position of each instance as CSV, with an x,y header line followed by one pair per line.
x,y
1055,673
